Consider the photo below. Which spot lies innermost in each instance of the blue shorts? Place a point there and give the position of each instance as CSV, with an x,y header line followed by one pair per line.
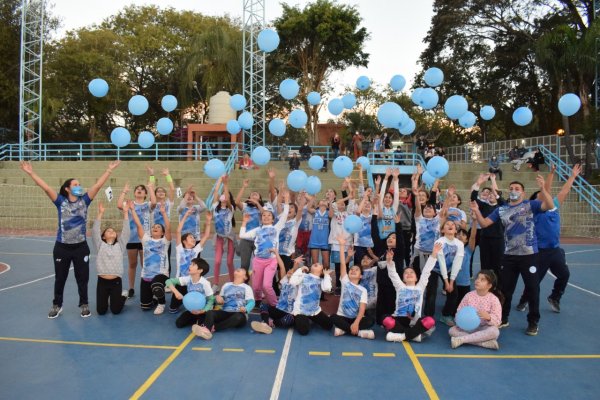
x,y
335,257
324,247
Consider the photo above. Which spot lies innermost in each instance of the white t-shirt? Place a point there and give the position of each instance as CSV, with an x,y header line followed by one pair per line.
x,y
202,285
351,298
185,257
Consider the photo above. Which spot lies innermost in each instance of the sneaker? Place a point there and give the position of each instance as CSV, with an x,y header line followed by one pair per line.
x,y
430,331
554,304
532,329
261,327
159,309
503,324
448,320
456,342
395,337
54,311
338,332
522,306
417,338
125,294
366,334
131,293
337,292
85,311
490,344
202,331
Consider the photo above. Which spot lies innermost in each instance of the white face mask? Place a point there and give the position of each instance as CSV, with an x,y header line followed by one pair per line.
x,y
514,196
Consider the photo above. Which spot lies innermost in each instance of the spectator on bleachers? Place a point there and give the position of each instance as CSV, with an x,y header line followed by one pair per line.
x,y
440,152
305,151
513,155
422,145
537,160
397,156
523,159
494,167
283,152
335,145
294,162
246,162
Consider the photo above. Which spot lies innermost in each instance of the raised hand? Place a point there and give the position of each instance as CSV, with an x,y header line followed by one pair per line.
x,y
350,252
101,208
165,171
245,183
397,218
437,248
271,173
389,255
395,173
150,170
473,206
541,182
113,165
208,217
576,170
27,167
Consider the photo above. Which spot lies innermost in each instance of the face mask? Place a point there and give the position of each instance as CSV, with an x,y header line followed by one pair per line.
x,y
77,191
514,196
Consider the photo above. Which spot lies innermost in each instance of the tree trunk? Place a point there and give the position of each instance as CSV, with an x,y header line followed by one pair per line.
x,y
584,91
92,134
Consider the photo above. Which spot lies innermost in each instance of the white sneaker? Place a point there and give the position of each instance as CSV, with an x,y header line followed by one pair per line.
x,y
490,344
456,342
338,332
366,334
125,293
202,331
395,337
417,339
429,332
159,309
261,327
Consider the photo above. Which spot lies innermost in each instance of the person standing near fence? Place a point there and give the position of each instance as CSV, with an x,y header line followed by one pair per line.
x,y
71,246
335,145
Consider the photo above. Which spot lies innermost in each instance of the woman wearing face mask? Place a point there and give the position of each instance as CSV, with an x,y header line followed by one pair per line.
x,y
72,203
494,165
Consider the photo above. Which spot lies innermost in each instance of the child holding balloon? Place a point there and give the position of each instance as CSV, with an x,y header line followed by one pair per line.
x,y
479,328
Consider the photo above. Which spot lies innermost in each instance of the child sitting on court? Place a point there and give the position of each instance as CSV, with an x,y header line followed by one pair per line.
x,y
237,301
306,306
193,282
406,322
109,263
487,300
369,282
350,317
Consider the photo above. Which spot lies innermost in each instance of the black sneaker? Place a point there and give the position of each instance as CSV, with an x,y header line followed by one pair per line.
x,y
54,311
522,306
131,293
554,304
338,292
532,329
504,324
85,311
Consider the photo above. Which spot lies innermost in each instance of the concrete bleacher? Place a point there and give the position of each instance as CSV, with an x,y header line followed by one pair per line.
x,y
25,208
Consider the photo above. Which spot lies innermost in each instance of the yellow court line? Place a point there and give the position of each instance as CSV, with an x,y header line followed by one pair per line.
x,y
228,350
202,348
146,385
384,354
319,353
512,356
133,346
352,354
260,351
420,371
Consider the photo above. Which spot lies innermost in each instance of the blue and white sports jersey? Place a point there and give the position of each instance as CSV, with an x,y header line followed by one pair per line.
x,y
519,226
463,278
202,285
386,223
143,212
155,257
369,282
235,296
185,257
363,238
267,238
452,211
428,231
408,301
72,217
223,218
307,220
157,217
287,237
450,250
192,223
352,296
254,213
287,296
309,292
319,236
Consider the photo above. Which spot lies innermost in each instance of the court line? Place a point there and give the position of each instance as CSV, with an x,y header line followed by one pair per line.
x,y
99,344
514,356
319,353
229,350
29,282
264,351
25,254
202,348
582,251
352,354
384,354
7,268
420,371
282,364
578,287
146,385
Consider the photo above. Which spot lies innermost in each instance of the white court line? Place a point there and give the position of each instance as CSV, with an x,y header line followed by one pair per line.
x,y
7,269
577,287
582,251
29,238
282,363
30,282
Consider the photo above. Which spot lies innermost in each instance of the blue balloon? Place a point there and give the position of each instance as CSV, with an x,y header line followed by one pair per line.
x,y
363,83
522,116
434,77
569,104
289,88
467,120
335,106
237,102
296,180
416,96
214,168
408,128
164,126
487,113
313,98
349,100
120,137
233,127
268,40
138,105
403,119
428,99
313,185
438,167
146,139
194,301
467,318
364,162
277,127
397,83
315,162
98,87
245,120
389,114
261,155
342,166
298,119
352,224
428,179
456,106
168,103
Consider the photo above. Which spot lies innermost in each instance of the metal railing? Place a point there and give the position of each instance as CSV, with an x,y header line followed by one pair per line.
x,y
229,165
380,161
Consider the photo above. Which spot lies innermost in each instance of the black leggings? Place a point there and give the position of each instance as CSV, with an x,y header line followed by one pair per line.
x,y
453,299
175,302
187,318
222,320
151,289
403,326
302,322
431,294
386,300
109,291
344,323
79,255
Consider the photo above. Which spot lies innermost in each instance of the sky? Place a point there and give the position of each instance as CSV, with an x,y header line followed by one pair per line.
x,y
397,28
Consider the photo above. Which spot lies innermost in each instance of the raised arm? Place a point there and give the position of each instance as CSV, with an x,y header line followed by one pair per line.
x,y
391,270
207,223
163,212
238,198
395,174
136,220
547,203
272,191
550,178
28,169
152,193
121,199
93,191
564,191
182,223
169,180
483,222
473,236
343,268
96,234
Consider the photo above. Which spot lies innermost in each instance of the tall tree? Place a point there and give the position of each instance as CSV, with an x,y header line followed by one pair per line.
x,y
10,28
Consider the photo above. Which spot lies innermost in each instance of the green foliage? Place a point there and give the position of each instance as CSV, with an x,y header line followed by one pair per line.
x,y
9,63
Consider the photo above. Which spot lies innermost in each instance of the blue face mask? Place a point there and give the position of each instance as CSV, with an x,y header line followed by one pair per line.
x,y
77,191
